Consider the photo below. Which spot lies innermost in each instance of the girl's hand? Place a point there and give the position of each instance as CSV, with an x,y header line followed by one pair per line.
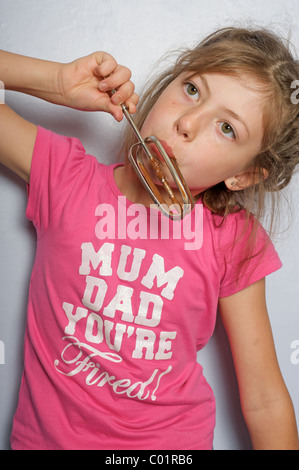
x,y
85,84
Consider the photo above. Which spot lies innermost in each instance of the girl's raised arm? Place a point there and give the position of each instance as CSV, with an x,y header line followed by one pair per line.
x,y
17,137
83,84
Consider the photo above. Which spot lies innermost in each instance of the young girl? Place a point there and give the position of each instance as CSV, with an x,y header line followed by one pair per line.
x,y
118,305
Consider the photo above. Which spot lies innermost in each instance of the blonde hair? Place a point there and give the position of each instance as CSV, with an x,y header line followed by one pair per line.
x,y
266,58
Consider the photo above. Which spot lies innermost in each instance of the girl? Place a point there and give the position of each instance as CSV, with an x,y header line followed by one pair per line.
x,y
119,305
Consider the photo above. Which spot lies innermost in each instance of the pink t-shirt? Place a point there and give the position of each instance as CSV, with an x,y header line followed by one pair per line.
x,y
121,299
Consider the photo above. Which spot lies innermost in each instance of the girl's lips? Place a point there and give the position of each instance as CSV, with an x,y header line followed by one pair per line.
x,y
167,148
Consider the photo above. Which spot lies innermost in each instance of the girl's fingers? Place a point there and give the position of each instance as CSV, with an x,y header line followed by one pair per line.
x,y
117,112
120,76
123,93
113,76
106,64
132,103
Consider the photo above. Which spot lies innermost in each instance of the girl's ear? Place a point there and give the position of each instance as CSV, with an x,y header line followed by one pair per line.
x,y
246,179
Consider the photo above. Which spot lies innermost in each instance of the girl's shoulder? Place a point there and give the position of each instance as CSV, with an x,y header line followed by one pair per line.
x,y
231,226
244,250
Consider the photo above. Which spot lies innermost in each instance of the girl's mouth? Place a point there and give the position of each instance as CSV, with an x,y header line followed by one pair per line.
x,y
157,153
167,149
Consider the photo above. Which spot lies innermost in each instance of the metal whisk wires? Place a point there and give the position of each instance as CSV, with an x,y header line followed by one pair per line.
x,y
177,206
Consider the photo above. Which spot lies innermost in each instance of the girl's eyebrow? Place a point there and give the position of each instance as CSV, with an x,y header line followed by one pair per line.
x,y
225,110
237,117
205,83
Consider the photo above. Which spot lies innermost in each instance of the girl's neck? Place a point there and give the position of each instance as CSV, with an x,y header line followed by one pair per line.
x,y
129,185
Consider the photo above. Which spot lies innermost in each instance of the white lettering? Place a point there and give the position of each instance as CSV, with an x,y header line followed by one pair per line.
x,y
2,97
120,329
145,340
138,256
295,94
137,228
195,235
89,255
132,222
157,271
295,353
105,227
165,345
97,289
73,319
95,377
145,299
2,353
122,302
94,329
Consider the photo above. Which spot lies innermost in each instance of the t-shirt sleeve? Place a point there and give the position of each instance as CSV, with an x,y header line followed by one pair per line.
x,y
246,254
57,163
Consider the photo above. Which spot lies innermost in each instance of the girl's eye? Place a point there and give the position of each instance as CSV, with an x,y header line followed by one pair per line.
x,y
227,130
191,90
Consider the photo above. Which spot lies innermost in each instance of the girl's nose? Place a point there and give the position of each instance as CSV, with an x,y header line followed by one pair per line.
x,y
188,124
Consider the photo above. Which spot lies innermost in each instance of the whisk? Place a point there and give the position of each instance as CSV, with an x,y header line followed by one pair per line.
x,y
174,208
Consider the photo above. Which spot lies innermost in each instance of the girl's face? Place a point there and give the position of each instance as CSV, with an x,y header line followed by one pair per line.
x,y
211,123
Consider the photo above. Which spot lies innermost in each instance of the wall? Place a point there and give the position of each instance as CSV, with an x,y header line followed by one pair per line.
x,y
137,33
